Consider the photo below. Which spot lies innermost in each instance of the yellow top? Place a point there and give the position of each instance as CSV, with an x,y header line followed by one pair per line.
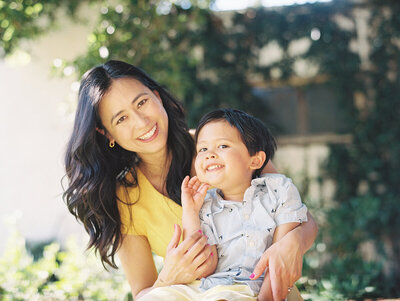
x,y
150,213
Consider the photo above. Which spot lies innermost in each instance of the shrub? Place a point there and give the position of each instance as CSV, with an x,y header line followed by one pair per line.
x,y
69,274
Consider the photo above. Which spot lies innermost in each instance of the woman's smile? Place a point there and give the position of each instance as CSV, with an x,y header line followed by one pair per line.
x,y
150,135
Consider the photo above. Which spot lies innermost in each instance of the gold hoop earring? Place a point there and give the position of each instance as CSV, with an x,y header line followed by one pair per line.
x,y
111,144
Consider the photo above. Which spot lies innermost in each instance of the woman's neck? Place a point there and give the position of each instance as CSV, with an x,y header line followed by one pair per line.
x,y
155,167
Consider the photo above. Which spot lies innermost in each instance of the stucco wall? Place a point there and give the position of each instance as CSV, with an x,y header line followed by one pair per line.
x,y
34,130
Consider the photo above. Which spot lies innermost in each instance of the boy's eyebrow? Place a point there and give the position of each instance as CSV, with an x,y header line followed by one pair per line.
x,y
217,139
133,101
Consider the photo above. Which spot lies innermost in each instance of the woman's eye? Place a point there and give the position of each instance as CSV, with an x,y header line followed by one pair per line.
x,y
142,102
202,150
222,146
121,119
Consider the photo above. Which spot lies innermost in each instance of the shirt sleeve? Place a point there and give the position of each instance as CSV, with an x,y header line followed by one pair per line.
x,y
289,205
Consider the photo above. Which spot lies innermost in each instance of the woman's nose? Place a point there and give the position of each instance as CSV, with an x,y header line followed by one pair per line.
x,y
141,120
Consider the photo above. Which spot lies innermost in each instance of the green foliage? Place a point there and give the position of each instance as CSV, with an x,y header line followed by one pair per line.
x,y
57,274
367,172
183,45
25,19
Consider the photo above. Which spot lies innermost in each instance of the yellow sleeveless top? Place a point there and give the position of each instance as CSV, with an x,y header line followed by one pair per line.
x,y
145,211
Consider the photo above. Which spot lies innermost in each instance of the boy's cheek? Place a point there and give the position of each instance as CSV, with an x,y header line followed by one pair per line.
x,y
202,177
197,165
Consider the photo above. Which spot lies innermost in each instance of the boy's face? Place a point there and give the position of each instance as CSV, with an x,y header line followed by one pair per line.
x,y
223,160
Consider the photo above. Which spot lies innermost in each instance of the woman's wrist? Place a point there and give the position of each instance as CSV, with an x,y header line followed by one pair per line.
x,y
305,234
296,239
160,282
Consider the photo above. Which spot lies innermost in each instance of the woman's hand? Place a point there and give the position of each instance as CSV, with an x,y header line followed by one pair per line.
x,y
284,260
186,261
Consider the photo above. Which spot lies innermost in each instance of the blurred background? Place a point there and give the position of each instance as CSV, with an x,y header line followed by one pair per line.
x,y
323,75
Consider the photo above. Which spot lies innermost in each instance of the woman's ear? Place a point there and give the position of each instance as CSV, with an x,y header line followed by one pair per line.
x,y
157,94
105,134
101,131
258,160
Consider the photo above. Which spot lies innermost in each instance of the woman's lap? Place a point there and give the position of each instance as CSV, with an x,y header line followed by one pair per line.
x,y
192,292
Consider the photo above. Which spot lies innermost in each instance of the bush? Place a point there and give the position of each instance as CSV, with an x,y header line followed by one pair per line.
x,y
58,274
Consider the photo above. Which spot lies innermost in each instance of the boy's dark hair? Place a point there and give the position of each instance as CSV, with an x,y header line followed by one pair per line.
x,y
255,135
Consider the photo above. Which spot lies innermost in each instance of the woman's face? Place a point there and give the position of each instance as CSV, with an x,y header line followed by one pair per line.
x,y
134,117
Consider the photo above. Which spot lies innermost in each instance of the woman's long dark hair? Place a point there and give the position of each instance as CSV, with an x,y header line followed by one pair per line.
x,y
93,168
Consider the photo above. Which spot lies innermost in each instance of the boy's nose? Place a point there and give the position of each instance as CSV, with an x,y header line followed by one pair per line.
x,y
211,156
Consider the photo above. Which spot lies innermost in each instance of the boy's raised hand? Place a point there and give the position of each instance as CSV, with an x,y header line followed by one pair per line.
x,y
193,193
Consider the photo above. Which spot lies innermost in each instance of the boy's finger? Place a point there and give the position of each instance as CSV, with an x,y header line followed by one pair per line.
x,y
203,188
196,186
194,183
193,180
185,182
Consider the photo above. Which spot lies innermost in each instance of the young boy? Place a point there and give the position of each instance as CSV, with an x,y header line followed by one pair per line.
x,y
245,212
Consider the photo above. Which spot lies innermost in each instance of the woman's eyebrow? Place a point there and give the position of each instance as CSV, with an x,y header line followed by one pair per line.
x,y
133,101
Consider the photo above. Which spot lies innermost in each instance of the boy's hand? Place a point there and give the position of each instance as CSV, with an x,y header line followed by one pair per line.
x,y
193,193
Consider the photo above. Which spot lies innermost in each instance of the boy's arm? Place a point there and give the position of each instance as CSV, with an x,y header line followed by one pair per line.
x,y
192,198
193,194
190,221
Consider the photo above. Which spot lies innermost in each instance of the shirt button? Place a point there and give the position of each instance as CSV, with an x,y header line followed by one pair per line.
x,y
252,244
246,216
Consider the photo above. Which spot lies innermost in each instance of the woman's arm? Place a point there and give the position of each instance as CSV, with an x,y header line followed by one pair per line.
x,y
280,231
269,168
137,262
284,258
307,230
306,233
183,263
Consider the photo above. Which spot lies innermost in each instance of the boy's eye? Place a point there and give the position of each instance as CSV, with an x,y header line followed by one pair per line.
x,y
121,119
142,102
203,149
222,146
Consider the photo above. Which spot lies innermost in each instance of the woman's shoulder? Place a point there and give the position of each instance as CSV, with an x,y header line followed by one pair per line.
x,y
274,179
276,183
192,133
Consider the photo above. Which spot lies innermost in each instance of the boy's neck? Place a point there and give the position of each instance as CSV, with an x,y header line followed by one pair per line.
x,y
235,194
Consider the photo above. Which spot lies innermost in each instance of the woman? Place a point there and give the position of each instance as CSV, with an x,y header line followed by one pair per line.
x,y
128,153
